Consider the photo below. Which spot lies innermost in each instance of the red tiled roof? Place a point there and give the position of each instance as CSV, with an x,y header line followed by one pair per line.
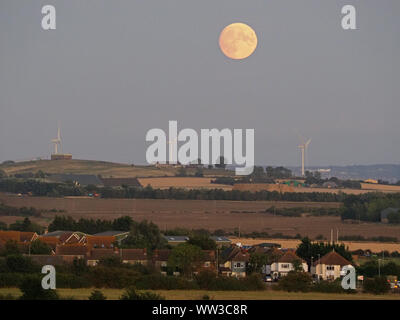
x,y
133,254
289,257
10,235
100,241
97,254
161,255
333,258
72,249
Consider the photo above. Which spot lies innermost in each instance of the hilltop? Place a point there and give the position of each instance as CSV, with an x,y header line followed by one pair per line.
x,y
103,168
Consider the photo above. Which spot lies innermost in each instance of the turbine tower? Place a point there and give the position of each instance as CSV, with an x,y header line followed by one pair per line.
x,y
303,147
57,141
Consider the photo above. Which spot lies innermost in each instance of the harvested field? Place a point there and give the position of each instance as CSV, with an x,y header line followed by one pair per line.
x,y
353,245
380,187
212,215
182,182
253,187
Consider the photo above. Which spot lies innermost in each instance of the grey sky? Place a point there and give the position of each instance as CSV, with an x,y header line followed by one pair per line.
x,y
115,69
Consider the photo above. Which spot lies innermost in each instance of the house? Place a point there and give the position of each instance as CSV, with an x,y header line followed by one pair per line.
x,y
78,250
286,263
386,212
65,237
330,266
52,242
100,241
175,240
160,260
235,262
208,262
118,235
134,256
96,254
18,236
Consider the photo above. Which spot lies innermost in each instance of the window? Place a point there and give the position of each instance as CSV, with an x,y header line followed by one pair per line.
x,y
238,265
330,268
285,266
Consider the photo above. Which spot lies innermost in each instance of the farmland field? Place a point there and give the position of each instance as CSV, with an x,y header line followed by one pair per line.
x,y
352,245
103,168
114,294
212,215
182,182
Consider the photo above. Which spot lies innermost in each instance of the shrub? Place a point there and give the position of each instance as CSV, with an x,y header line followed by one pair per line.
x,y
295,281
132,294
31,288
160,282
328,287
97,295
377,285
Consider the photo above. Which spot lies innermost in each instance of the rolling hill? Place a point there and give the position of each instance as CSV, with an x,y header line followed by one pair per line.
x,y
103,168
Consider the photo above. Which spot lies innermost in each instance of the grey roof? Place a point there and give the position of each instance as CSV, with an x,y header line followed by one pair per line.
x,y
385,212
220,239
111,233
83,179
176,238
56,233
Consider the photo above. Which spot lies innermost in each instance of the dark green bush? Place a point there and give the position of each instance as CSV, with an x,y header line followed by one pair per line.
x,y
295,281
377,285
97,295
31,288
131,294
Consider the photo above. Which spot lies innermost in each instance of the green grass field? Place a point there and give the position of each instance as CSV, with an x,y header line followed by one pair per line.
x,y
106,169
114,294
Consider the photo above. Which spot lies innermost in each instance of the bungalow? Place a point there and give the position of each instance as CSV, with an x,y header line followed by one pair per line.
x,y
330,266
95,255
286,263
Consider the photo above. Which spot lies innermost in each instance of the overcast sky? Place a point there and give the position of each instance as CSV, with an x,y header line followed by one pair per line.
x,y
115,69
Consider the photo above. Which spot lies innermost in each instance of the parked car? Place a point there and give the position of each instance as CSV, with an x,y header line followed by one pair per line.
x,y
268,278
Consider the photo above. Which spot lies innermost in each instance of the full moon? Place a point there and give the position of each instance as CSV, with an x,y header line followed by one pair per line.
x,y
238,41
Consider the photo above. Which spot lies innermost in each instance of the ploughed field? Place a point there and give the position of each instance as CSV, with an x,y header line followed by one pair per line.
x,y
207,214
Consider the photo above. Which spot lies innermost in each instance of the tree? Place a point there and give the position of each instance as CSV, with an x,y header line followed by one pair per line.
x,y
186,257
377,285
123,224
203,241
31,288
10,248
131,294
97,295
256,262
296,281
39,247
145,235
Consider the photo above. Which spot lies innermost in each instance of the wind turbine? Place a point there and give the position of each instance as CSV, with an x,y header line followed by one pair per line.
x,y
171,150
303,147
57,141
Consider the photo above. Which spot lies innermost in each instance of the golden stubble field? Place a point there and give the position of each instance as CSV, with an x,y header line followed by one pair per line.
x,y
245,216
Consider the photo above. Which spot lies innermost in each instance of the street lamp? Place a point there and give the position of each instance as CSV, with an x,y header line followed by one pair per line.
x,y
379,267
